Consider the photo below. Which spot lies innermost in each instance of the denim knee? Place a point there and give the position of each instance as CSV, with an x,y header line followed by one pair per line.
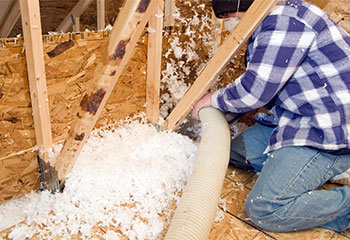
x,y
261,211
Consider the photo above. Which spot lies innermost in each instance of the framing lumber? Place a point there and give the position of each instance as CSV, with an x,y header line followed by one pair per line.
x,y
127,29
101,14
168,13
154,59
218,29
78,9
234,42
31,23
10,19
76,24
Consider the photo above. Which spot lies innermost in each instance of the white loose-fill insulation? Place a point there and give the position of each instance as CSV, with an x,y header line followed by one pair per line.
x,y
125,177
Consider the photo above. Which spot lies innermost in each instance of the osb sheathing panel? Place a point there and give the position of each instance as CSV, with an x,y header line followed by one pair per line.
x,y
19,175
68,75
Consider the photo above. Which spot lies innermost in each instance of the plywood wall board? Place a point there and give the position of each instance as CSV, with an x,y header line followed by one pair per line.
x,y
19,175
68,75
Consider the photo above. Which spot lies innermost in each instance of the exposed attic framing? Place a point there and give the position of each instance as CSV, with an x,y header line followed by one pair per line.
x,y
154,58
101,14
71,18
31,23
127,29
9,19
117,53
129,25
11,13
168,13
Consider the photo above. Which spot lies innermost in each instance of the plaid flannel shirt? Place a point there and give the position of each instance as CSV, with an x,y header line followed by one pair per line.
x,y
298,62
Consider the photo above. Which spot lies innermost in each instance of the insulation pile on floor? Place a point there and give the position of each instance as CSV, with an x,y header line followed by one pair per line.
x,y
125,178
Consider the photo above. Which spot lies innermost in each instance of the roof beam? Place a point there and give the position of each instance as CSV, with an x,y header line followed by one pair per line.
x,y
78,9
233,43
10,19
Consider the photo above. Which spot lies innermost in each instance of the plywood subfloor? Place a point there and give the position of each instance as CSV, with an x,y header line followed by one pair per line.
x,y
235,225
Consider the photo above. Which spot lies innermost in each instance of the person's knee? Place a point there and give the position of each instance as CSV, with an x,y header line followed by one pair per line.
x,y
262,212
257,209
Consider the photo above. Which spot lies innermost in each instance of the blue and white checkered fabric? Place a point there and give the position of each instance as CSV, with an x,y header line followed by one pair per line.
x,y
298,62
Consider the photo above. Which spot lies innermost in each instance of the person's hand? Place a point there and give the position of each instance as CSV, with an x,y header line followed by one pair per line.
x,y
205,101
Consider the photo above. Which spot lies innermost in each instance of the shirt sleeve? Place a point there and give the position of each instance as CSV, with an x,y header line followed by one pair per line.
x,y
279,48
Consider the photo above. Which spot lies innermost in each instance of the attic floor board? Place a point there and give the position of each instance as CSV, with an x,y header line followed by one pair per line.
x,y
235,225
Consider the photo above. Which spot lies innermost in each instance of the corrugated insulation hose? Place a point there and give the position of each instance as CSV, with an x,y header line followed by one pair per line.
x,y
196,211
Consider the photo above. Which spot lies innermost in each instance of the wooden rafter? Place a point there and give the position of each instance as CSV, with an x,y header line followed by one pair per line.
x,y
234,42
127,29
154,58
78,9
31,23
10,19
169,6
218,29
76,24
101,15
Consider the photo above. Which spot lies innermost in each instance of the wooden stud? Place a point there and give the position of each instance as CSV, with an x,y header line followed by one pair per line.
x,y
10,19
78,9
126,31
234,42
218,29
31,23
154,58
76,24
168,13
101,15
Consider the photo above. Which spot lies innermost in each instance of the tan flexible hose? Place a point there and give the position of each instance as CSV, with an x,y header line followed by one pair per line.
x,y
195,213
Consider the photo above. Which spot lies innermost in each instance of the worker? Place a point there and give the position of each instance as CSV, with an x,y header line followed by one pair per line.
x,y
298,67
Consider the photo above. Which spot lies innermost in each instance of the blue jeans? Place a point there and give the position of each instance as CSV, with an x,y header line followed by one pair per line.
x,y
285,196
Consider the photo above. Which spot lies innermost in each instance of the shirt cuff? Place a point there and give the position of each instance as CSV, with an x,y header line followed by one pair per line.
x,y
214,99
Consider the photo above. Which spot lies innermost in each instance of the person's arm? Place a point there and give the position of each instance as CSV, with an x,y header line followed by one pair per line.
x,y
279,49
203,102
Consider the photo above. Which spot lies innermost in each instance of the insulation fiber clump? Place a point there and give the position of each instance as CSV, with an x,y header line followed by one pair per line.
x,y
124,182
